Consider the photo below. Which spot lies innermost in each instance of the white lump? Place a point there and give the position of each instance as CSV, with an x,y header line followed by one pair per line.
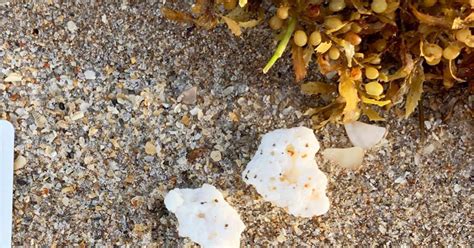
x,y
205,217
364,135
284,172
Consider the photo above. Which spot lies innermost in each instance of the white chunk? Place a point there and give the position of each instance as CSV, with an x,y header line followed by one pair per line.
x,y
90,75
71,26
364,135
13,77
104,19
349,158
20,162
285,172
205,217
173,200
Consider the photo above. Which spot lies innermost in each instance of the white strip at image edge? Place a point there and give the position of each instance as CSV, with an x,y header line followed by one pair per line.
x,y
7,137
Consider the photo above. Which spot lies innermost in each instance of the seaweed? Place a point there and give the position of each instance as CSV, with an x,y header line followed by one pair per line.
x,y
378,54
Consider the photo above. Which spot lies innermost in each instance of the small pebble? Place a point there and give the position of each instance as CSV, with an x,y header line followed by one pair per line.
x,y
104,19
216,156
71,26
76,116
20,162
189,95
457,188
13,77
400,180
150,148
89,75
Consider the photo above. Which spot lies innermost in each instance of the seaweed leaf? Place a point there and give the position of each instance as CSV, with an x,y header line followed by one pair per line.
x,y
206,21
308,54
232,25
371,114
323,47
430,20
177,16
375,102
298,62
348,91
415,84
359,5
314,88
250,24
459,23
322,115
349,52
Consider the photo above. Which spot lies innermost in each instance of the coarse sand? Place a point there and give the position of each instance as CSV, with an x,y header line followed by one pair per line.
x,y
116,106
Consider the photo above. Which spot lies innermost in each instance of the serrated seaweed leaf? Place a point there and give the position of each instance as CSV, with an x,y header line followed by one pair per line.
x,y
299,66
415,85
323,47
322,115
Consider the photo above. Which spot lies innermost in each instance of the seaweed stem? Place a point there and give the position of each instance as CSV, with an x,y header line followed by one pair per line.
x,y
282,45
421,119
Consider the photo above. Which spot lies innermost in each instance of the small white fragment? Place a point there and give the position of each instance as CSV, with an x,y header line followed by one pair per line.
x,y
364,135
13,77
401,180
382,229
89,75
71,26
284,172
417,159
205,217
20,162
76,116
418,195
428,125
104,19
457,188
349,158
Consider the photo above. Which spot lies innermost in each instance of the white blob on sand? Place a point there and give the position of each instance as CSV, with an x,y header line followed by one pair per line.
x,y
89,75
71,26
284,172
348,158
13,77
364,135
205,217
